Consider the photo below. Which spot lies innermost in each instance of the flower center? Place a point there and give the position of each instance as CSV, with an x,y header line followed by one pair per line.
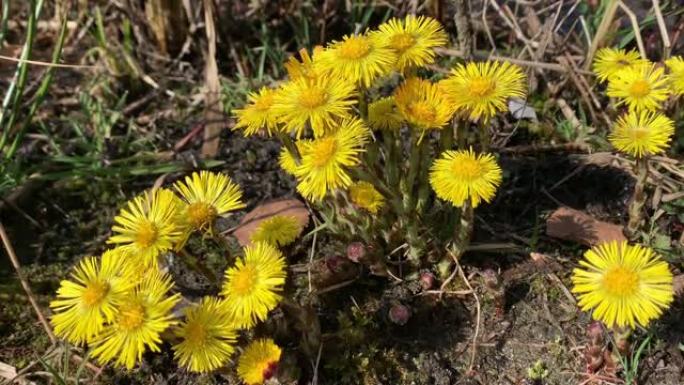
x,y
640,88
94,293
195,333
324,151
620,281
201,214
482,87
312,97
270,370
354,48
131,316
264,102
423,111
147,234
243,282
467,169
640,134
402,41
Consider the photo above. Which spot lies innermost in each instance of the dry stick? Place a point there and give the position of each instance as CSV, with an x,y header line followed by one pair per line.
x,y
473,352
24,283
45,64
635,27
211,79
601,32
464,30
667,45
526,63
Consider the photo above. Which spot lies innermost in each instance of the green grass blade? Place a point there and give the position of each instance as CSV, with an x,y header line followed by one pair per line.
x,y
42,90
4,17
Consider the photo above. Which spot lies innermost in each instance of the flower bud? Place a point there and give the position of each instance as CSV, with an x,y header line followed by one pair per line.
x,y
427,280
356,251
399,314
595,333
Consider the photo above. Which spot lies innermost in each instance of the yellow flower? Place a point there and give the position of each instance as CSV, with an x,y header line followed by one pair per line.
x,y
642,133
207,195
149,225
414,39
676,67
258,114
89,300
306,68
207,336
259,362
482,89
623,284
325,160
252,287
364,195
278,230
358,58
143,315
462,175
383,114
287,160
319,102
642,88
423,104
609,61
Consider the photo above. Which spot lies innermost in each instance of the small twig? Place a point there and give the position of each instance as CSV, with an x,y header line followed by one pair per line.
x,y
473,353
46,64
24,283
635,27
667,45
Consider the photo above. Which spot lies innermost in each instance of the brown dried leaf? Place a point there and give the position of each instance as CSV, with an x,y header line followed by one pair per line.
x,y
578,226
249,223
678,284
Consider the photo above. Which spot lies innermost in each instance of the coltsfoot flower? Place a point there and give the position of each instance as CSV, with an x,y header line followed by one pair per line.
x,y
252,287
259,362
642,133
623,284
610,61
460,176
423,104
639,88
258,114
278,230
365,196
414,40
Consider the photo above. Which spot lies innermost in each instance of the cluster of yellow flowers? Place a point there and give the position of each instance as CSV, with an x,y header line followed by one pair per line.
x,y
324,105
121,303
643,88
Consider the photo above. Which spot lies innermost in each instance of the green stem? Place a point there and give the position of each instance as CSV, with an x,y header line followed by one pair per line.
x,y
446,136
461,133
461,240
485,137
290,145
391,162
636,206
414,166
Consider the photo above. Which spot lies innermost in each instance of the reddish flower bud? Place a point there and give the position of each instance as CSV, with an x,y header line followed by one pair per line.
x,y
399,314
356,251
427,280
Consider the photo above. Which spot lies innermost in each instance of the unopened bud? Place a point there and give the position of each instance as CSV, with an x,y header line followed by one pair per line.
x,y
491,280
595,333
334,263
356,251
399,314
427,280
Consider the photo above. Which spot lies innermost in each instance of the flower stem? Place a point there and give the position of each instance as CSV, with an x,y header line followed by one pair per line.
x,y
462,236
289,144
639,198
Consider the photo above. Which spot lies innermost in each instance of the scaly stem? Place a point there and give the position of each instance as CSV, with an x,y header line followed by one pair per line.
x,y
391,162
485,138
414,166
639,198
462,236
446,136
290,145
461,130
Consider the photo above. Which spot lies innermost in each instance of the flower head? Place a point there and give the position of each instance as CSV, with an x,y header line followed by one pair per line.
x,y
414,40
143,315
364,195
610,61
325,160
252,287
462,175
149,225
319,102
481,90
383,114
359,58
676,66
258,115
278,230
90,298
207,336
643,87
423,104
642,133
305,68
259,362
207,195
623,284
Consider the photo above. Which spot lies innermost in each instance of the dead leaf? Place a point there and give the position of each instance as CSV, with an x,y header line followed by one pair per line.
x,y
289,207
678,284
578,226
